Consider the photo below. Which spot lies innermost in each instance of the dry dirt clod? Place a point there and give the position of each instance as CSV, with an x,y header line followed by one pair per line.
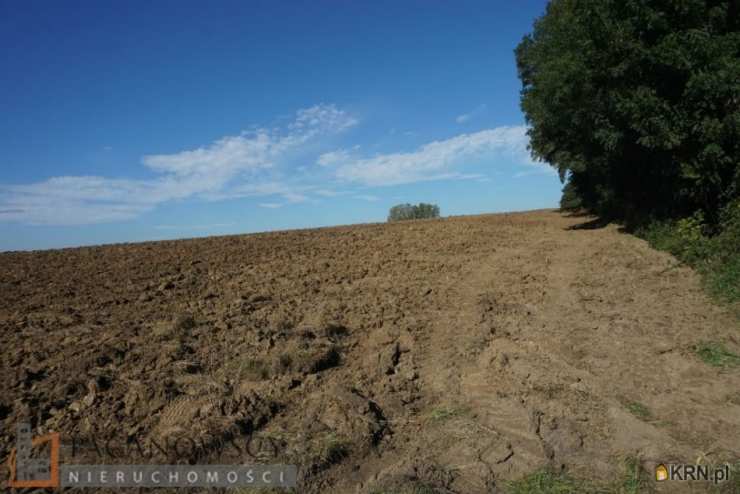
x,y
184,322
167,285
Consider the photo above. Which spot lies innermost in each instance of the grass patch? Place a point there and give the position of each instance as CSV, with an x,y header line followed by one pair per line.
x,y
712,251
545,482
734,484
724,281
635,480
717,355
639,410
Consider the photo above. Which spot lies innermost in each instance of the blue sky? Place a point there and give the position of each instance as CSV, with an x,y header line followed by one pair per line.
x,y
128,121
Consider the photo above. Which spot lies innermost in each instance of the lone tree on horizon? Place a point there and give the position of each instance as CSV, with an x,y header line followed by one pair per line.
x,y
413,212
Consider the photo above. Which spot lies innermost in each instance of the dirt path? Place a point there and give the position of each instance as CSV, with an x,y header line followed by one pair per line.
x,y
458,353
554,338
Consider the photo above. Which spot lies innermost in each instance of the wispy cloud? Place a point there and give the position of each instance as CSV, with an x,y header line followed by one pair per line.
x,y
291,193
436,160
280,166
337,157
476,112
333,157
233,166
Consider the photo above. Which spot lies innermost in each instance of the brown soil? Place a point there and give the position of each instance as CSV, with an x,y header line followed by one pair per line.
x,y
459,353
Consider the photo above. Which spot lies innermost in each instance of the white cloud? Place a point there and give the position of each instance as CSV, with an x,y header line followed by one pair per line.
x,y
333,157
337,157
275,165
254,150
322,118
63,200
476,112
233,166
433,161
290,193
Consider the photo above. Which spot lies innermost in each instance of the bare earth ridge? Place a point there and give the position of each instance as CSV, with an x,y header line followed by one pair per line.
x,y
459,353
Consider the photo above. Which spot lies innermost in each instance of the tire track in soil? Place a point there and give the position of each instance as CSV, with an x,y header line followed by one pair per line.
x,y
543,351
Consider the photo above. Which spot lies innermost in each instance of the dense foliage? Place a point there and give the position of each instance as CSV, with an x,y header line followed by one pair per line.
x,y
570,200
716,256
413,212
637,104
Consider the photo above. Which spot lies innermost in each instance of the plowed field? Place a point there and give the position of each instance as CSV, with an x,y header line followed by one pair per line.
x,y
458,353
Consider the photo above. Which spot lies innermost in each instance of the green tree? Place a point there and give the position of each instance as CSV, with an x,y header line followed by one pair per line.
x,y
637,103
570,200
410,212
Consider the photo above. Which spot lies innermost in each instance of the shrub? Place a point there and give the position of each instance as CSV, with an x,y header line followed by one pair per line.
x,y
723,275
570,200
413,212
545,482
712,251
684,238
716,354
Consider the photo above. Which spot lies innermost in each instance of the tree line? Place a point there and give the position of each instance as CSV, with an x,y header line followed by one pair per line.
x,y
637,105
